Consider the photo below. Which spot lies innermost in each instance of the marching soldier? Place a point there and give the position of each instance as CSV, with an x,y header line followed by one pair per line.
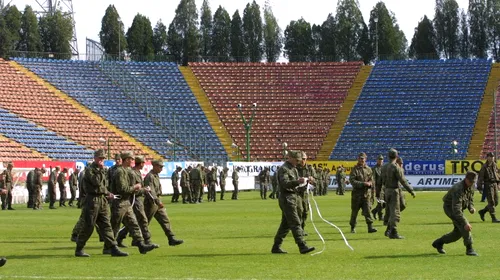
x,y
222,179
73,185
456,200
29,186
153,205
95,209
212,183
37,188
488,182
264,181
175,184
6,185
377,179
289,182
195,177
362,181
121,208
236,178
52,186
185,185
392,176
305,171
61,181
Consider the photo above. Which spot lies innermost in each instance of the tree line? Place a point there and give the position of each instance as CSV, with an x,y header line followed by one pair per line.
x,y
24,32
254,35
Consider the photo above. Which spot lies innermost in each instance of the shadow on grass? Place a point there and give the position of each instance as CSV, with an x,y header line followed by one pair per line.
x,y
426,255
67,248
219,255
30,257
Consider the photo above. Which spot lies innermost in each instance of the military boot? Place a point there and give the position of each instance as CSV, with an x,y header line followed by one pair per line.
x,y
148,242
115,252
3,261
144,248
374,213
371,229
394,235
470,252
494,219
277,249
80,253
304,249
174,242
387,231
438,244
481,214
353,229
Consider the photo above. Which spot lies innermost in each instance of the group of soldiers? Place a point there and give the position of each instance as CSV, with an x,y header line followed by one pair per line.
x,y
192,180
119,196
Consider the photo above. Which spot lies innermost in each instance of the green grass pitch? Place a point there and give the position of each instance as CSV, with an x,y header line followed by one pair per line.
x,y
232,240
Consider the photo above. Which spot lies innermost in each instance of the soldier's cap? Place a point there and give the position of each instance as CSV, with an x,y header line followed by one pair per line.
x,y
190,167
65,169
58,168
490,154
126,155
43,170
158,162
178,168
471,175
225,169
304,155
139,159
393,153
100,153
10,164
362,155
295,154
380,157
118,156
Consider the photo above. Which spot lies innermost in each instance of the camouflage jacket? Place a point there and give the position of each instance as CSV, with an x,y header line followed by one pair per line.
x,y
393,175
487,175
359,176
457,199
95,180
288,178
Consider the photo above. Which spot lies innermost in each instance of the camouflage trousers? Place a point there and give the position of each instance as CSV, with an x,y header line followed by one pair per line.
x,y
95,211
302,208
160,214
457,232
186,194
121,211
37,197
359,201
290,219
142,221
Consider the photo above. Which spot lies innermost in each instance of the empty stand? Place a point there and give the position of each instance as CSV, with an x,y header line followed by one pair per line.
x,y
297,102
31,100
10,151
40,139
418,107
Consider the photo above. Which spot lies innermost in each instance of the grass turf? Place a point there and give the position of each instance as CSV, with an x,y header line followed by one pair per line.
x,y
232,240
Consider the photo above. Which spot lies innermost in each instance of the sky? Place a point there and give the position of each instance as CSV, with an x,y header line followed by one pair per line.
x,y
89,13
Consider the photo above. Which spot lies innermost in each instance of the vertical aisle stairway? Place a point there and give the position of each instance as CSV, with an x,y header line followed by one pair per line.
x,y
206,106
339,122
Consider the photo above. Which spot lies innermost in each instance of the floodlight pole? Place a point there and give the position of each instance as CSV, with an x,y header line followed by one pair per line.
x,y
248,126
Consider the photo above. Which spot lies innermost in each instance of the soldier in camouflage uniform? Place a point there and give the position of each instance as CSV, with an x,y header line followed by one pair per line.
x,y
456,200
222,179
305,171
236,178
121,208
185,186
37,188
377,211
95,209
341,180
362,181
195,178
264,181
73,185
6,185
488,182
52,186
204,182
112,169
289,181
61,181
138,205
274,182
326,180
319,181
175,184
212,183
154,207
392,176
29,186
